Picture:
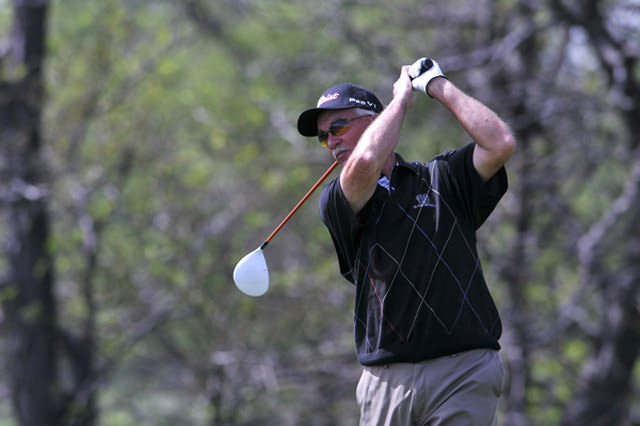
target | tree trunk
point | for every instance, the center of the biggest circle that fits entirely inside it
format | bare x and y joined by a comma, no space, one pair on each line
31,308
29,298
604,391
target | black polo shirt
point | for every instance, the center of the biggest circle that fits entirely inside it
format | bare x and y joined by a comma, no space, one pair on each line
411,253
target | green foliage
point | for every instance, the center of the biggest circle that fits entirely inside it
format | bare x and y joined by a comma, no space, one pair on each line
171,139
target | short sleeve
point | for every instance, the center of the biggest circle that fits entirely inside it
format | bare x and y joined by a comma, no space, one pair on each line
477,197
343,225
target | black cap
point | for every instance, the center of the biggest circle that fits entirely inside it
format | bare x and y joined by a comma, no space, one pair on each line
341,96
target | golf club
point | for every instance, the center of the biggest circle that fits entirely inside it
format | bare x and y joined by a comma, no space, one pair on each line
251,274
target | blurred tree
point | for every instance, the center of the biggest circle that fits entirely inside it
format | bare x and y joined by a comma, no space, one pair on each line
169,144
28,287
609,248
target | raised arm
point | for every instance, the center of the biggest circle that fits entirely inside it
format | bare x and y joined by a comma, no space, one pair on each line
494,141
374,153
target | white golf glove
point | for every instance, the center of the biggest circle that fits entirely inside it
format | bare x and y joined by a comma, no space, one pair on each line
422,72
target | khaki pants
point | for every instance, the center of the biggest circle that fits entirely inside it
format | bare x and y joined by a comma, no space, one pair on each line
456,390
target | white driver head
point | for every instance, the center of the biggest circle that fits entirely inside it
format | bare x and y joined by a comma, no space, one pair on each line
251,274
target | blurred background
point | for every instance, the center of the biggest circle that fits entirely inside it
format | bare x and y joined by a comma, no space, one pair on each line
146,146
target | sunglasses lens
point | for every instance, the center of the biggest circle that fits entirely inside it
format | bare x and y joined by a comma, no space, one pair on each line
323,137
339,129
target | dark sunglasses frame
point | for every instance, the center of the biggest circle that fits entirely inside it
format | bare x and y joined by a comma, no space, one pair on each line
337,128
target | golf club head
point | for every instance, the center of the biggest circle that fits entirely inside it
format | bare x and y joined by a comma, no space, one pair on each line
251,274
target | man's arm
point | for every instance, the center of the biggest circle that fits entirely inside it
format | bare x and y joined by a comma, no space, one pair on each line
494,141
374,152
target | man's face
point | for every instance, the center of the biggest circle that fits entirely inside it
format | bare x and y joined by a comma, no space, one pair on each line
340,130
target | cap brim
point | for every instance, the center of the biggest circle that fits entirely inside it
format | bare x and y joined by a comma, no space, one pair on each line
308,122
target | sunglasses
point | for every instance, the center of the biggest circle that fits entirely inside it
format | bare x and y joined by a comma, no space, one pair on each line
337,128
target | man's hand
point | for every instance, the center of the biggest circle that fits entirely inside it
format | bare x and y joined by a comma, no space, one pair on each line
422,72
403,90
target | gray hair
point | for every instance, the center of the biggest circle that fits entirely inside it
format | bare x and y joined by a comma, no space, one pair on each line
365,112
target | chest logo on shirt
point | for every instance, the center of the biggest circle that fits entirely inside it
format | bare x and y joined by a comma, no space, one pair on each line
423,201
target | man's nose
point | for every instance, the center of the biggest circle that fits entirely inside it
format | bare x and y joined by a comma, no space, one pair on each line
332,141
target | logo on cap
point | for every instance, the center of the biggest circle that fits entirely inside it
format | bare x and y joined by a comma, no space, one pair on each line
327,98
366,104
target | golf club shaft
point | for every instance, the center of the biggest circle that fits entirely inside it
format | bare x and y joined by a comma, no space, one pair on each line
295,209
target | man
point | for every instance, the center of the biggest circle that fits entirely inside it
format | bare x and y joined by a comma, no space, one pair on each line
425,326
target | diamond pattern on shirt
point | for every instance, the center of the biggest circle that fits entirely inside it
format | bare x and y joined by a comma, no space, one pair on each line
420,237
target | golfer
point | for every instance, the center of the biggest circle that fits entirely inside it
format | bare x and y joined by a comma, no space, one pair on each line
425,325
